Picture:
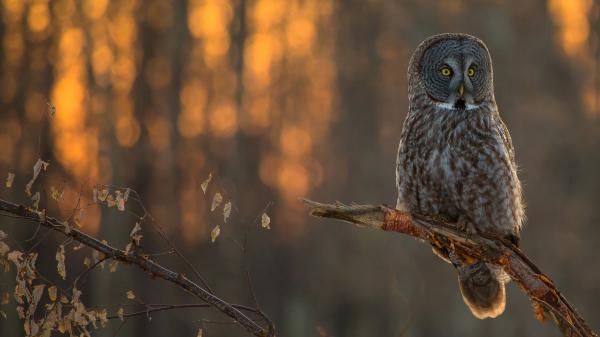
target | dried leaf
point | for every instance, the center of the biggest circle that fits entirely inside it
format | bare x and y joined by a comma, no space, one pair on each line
102,195
215,233
87,262
265,221
120,313
3,235
60,259
57,193
52,293
110,201
217,199
37,292
39,165
199,333
226,211
136,234
78,217
130,295
36,200
126,194
5,298
112,266
10,179
4,248
120,201
205,183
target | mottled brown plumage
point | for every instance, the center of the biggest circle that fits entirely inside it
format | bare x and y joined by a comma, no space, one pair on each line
456,158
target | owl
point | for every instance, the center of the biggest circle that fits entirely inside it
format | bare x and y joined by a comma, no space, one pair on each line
456,159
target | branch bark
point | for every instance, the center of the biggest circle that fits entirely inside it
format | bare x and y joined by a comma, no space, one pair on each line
154,269
546,299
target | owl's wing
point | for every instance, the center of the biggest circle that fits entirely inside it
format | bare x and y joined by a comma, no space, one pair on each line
503,131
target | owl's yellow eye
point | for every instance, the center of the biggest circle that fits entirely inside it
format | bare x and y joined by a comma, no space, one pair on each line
446,71
471,72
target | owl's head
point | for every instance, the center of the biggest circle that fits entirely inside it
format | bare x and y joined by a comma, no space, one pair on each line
455,70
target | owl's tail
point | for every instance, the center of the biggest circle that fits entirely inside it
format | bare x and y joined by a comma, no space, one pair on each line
482,288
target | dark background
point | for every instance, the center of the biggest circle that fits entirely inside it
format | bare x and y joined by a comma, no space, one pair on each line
283,99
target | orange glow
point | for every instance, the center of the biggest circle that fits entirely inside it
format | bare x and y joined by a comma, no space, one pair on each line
295,141
223,119
159,132
190,121
94,9
571,18
38,17
292,179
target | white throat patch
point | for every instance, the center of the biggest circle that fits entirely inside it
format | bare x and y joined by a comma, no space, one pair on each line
448,106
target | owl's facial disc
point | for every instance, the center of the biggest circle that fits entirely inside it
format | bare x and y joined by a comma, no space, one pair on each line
460,87
456,74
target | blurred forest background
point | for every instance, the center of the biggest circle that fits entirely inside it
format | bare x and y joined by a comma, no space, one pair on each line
288,98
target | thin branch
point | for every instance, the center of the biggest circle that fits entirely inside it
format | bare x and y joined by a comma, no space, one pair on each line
145,263
489,248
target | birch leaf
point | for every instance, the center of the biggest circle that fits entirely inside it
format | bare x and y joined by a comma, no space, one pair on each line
60,259
39,165
226,211
130,295
36,200
265,221
206,182
215,233
10,179
135,234
52,293
217,199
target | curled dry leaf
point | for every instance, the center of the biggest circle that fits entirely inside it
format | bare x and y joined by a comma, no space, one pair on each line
130,295
102,195
136,234
112,266
78,217
36,200
52,292
265,221
57,194
120,201
10,179
39,165
199,334
87,262
4,248
226,211
120,313
216,202
215,233
205,183
4,299
60,259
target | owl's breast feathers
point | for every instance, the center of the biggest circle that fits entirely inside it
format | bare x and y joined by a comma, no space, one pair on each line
460,163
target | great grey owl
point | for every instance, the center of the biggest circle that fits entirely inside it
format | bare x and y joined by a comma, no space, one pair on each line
456,157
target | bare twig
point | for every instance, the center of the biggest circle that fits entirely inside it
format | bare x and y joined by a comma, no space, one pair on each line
145,263
538,287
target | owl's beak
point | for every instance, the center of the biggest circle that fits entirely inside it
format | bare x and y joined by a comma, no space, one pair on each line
461,90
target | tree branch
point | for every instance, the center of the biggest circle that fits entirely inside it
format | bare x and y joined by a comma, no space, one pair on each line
546,299
144,263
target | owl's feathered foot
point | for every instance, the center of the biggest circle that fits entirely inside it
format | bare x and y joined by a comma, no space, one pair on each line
466,226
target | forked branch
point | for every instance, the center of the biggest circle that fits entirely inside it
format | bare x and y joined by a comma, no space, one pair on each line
546,299
145,263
